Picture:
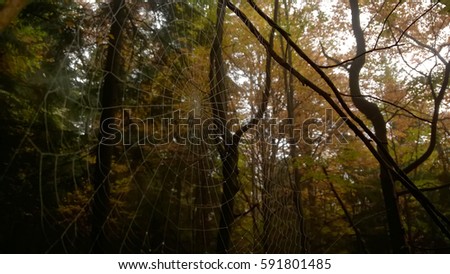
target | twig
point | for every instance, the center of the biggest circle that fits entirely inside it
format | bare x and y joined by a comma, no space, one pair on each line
425,189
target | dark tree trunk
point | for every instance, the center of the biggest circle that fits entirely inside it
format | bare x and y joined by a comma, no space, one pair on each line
108,136
229,148
230,189
373,113
293,151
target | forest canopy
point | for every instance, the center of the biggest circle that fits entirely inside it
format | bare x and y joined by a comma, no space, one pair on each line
224,126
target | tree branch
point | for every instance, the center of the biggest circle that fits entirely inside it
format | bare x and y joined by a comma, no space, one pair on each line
339,64
391,104
425,189
267,87
347,214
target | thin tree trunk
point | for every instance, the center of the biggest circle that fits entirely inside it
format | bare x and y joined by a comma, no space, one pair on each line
107,137
373,113
229,150
230,189
293,151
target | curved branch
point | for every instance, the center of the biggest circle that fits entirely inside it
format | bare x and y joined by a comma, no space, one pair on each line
437,103
338,64
386,20
336,61
425,189
373,113
392,104
423,45
417,19
434,122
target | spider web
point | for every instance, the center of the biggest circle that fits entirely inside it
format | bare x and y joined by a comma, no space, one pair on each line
166,179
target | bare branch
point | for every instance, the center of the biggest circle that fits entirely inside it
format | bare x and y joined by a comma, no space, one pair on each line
425,189
417,19
423,45
386,20
391,104
267,87
433,137
339,64
336,61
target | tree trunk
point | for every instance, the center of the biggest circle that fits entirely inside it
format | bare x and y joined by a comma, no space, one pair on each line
108,135
230,189
229,149
373,113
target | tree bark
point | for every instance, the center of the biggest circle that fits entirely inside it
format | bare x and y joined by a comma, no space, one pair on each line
230,189
108,137
373,113
229,150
